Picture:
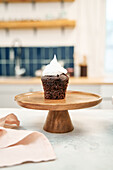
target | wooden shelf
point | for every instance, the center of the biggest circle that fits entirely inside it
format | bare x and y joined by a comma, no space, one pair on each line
72,81
63,23
26,1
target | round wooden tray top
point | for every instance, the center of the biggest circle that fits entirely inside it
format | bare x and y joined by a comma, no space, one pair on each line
73,100
58,119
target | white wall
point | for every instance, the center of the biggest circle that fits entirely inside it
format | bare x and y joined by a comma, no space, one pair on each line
40,11
86,36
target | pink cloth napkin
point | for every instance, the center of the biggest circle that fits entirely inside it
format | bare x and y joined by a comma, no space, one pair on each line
18,146
9,121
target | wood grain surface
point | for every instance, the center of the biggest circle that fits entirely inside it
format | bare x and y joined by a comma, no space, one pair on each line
73,100
58,119
58,122
72,80
65,23
27,1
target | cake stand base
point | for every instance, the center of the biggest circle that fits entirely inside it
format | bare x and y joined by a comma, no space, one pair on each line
58,122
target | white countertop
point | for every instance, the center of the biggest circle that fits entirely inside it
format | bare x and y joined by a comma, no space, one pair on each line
88,147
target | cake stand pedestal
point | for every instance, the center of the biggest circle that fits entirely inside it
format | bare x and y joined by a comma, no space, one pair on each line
58,119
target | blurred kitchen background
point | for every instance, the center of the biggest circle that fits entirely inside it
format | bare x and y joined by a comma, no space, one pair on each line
79,32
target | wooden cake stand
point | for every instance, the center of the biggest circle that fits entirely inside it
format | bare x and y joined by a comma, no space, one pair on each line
58,119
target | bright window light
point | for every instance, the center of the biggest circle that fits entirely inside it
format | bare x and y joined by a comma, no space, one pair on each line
109,37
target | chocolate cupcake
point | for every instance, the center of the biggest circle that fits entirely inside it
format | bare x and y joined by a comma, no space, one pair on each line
54,80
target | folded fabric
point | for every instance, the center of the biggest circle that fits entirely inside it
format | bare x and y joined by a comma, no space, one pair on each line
9,121
19,146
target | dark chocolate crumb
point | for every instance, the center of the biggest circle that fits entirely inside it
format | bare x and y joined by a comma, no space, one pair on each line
55,86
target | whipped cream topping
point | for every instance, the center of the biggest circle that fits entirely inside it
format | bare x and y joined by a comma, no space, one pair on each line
54,68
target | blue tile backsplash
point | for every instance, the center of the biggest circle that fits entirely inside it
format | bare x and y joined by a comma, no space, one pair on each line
33,58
